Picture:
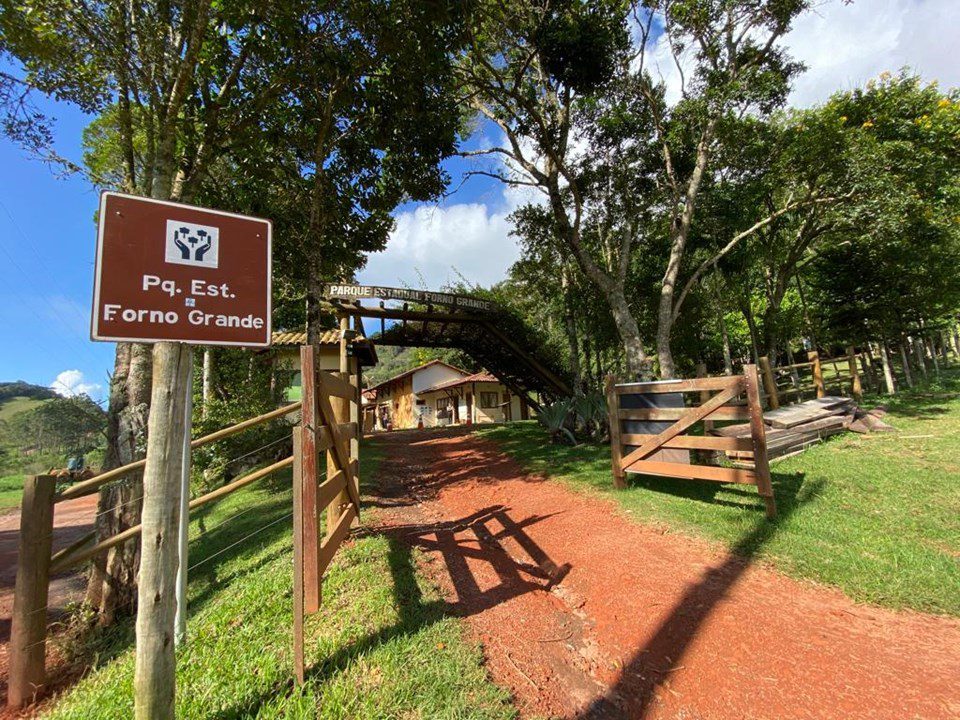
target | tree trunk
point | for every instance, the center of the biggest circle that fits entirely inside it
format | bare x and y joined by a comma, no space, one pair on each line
754,337
887,367
727,357
570,329
904,356
678,243
794,375
314,298
588,377
155,670
932,350
207,379
638,364
918,352
111,587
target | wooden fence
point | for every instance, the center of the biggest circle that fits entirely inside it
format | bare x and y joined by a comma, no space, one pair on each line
783,383
641,444
28,632
329,425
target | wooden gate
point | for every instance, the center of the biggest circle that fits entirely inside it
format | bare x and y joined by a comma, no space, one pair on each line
329,425
657,453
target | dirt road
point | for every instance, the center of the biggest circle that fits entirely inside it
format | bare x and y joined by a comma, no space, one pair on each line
585,614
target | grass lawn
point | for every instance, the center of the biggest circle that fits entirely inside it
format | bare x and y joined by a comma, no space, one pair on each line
381,646
11,488
875,515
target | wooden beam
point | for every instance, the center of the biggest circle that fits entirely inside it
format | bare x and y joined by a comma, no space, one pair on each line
693,472
727,412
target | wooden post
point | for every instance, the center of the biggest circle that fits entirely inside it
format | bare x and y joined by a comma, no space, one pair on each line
616,450
769,383
856,389
154,681
341,411
298,565
307,478
28,633
758,435
905,357
814,357
355,418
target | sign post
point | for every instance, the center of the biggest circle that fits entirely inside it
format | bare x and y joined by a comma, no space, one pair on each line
173,275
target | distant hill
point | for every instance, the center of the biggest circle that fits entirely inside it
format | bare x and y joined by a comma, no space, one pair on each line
19,388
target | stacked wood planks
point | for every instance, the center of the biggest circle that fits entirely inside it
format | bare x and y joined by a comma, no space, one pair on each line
793,428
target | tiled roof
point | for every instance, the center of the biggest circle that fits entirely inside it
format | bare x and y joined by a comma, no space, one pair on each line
456,382
413,370
329,337
362,347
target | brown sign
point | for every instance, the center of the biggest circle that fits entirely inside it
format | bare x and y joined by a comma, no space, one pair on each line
167,271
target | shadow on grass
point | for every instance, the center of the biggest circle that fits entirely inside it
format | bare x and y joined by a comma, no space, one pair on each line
477,537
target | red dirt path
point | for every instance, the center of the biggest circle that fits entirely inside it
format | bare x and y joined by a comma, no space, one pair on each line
585,614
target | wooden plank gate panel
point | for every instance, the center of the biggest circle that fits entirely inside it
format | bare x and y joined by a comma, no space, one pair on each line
716,399
328,398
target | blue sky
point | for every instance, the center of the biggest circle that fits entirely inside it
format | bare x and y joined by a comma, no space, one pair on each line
47,235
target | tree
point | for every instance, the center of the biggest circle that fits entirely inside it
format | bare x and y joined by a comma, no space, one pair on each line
557,77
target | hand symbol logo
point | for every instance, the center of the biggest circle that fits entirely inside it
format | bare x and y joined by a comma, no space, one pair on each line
178,241
202,250
189,244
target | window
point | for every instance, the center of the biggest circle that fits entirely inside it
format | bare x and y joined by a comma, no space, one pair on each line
489,399
421,402
443,403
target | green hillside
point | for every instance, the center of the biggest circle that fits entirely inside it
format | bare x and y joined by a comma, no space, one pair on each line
9,408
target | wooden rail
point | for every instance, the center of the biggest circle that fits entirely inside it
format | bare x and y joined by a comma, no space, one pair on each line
88,487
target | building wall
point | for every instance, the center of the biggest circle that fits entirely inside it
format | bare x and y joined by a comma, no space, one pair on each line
480,414
288,360
433,375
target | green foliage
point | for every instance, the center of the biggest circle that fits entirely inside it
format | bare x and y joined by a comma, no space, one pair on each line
61,425
580,41
244,387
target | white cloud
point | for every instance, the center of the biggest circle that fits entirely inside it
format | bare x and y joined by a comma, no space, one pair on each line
845,45
431,244
71,382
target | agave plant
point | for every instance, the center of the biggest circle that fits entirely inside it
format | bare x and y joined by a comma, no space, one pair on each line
591,413
554,418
